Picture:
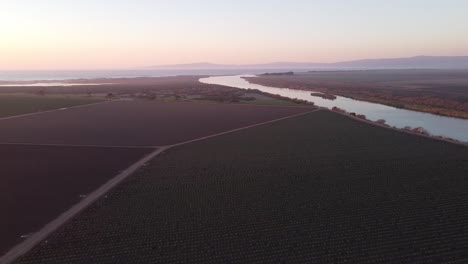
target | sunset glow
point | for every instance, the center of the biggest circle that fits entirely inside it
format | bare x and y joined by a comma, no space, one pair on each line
88,34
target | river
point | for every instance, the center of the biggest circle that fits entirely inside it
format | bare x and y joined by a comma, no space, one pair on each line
436,125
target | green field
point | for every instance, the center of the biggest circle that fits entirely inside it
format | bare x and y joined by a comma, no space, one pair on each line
319,188
15,104
265,100
270,101
254,99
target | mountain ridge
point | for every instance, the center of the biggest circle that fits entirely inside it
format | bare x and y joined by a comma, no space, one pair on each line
416,62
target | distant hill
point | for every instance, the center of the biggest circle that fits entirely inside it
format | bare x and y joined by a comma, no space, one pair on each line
418,62
206,65
201,65
413,62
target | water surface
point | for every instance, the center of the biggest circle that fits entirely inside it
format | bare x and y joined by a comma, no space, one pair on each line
436,125
12,76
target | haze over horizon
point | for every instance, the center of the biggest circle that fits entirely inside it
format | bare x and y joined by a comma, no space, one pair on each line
87,34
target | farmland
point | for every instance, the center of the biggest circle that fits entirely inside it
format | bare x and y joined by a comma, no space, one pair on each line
18,104
137,123
177,88
118,86
318,188
37,183
443,92
50,161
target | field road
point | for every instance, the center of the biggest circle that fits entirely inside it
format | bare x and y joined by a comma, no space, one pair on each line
52,226
51,111
136,123
71,145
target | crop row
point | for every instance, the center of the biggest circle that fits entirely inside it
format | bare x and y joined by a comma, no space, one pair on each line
313,189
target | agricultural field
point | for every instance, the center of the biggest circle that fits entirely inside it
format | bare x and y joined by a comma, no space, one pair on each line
137,123
443,92
118,86
50,161
37,183
250,98
265,99
19,104
177,88
318,188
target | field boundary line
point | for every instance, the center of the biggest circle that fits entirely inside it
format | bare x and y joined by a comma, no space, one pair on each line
459,143
310,106
53,110
242,128
52,226
77,146
36,238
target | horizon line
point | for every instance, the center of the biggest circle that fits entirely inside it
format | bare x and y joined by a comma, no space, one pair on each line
160,66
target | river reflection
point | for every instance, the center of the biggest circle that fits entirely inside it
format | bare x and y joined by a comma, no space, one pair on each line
436,125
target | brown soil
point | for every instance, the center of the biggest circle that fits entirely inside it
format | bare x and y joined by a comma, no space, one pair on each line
38,183
137,123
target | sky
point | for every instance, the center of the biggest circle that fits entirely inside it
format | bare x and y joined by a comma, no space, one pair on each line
106,34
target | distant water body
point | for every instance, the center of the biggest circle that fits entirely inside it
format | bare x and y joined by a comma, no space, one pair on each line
11,76
436,125
455,128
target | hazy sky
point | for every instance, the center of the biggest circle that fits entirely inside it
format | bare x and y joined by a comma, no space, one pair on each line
64,34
